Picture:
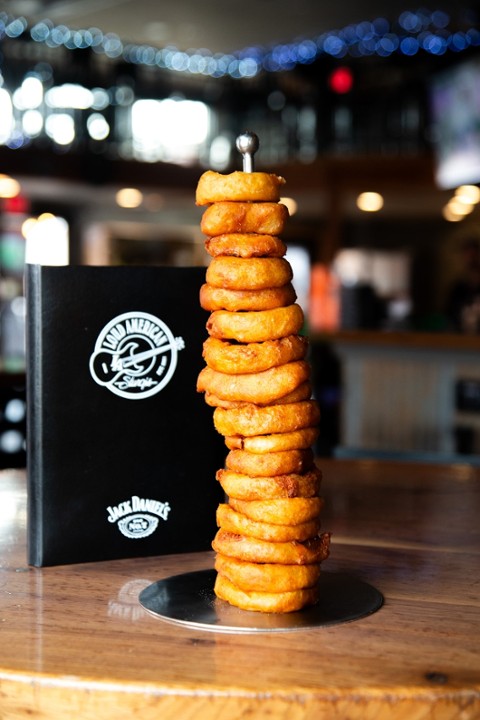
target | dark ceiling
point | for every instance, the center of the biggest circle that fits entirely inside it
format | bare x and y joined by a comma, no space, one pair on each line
217,25
226,26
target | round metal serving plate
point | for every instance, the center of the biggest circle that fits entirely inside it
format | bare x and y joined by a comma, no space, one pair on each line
188,599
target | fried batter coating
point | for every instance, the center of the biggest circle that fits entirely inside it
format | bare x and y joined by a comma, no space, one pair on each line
234,522
214,298
269,463
233,273
302,392
267,577
246,487
268,546
232,358
296,440
245,245
253,420
287,553
280,511
260,388
235,217
250,327
267,602
238,186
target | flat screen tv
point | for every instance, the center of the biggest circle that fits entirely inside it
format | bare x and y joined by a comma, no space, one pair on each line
455,112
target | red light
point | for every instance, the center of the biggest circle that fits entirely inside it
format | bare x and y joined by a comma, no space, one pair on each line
17,204
341,80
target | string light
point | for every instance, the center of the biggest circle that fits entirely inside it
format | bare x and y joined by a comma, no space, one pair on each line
129,198
9,187
413,32
468,194
370,201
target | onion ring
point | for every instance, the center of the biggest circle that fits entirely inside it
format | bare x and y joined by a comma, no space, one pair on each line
302,392
259,388
214,298
233,273
252,549
231,358
245,245
296,440
254,601
245,487
280,511
258,326
233,522
236,217
238,186
267,577
253,420
269,463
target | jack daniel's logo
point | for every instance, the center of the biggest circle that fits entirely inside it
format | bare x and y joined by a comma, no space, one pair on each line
135,355
138,517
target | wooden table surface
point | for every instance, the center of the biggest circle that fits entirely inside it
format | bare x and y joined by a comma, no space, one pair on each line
75,643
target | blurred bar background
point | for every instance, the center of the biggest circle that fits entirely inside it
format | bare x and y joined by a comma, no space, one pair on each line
372,114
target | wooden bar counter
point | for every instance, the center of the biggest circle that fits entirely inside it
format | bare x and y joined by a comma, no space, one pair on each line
75,643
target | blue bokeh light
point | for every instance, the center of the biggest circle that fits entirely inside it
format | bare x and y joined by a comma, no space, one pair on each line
414,31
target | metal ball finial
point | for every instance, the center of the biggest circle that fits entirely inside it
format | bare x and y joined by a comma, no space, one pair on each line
247,144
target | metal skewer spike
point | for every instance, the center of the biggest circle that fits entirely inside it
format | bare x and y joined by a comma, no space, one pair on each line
247,144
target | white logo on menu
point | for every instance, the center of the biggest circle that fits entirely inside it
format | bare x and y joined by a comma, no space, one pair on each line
135,355
138,517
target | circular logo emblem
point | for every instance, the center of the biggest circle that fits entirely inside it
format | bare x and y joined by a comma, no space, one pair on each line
135,355
138,526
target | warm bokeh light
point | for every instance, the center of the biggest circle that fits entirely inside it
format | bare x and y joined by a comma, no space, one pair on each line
9,187
370,201
27,226
291,205
468,194
450,215
459,208
129,198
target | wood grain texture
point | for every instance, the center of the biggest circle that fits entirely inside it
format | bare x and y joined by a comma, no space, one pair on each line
74,642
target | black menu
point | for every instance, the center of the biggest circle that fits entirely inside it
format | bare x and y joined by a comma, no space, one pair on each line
121,449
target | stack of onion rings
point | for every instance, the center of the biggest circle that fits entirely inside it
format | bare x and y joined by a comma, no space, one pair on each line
268,547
